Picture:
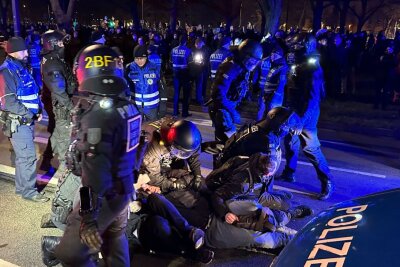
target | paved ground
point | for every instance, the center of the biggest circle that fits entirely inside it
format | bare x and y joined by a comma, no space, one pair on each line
360,164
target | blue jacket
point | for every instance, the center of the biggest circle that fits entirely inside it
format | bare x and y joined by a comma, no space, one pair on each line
180,57
19,92
264,69
144,84
156,59
34,55
217,58
229,87
305,90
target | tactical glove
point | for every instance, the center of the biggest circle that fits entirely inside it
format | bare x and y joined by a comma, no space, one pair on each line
178,185
89,233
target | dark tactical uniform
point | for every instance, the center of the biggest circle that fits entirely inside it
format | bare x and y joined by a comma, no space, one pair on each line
60,83
305,91
104,153
230,86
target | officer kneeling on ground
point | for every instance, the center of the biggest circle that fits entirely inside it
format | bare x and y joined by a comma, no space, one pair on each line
104,155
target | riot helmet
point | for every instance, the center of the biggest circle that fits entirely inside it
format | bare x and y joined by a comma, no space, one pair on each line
100,71
300,45
250,53
281,121
54,41
182,138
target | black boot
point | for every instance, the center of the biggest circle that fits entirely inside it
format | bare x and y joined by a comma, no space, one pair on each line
327,190
286,176
301,211
47,222
49,243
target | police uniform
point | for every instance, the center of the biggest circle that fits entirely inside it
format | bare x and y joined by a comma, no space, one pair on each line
228,89
305,91
262,72
216,59
104,155
20,106
145,89
156,60
180,57
60,83
34,60
274,86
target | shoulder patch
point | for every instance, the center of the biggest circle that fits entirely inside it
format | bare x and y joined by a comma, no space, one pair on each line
133,137
94,136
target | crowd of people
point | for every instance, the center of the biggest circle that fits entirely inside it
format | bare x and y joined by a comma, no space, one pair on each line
130,175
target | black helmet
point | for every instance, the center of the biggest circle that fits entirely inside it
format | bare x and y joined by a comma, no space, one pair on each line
99,70
250,53
301,41
281,121
182,137
51,38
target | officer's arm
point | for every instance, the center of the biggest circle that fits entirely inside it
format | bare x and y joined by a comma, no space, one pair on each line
315,89
194,164
221,194
54,79
9,101
224,77
128,79
163,96
151,164
282,79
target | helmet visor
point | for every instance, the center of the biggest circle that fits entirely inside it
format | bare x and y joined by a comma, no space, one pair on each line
179,153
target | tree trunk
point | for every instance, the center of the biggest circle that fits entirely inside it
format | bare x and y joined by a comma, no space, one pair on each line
263,18
343,15
63,19
4,15
173,16
273,10
135,15
318,8
302,19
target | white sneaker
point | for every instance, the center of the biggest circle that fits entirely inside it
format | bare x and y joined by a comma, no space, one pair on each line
286,230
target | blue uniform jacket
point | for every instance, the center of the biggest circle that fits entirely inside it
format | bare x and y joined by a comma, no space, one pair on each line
34,55
180,57
217,58
156,59
19,92
144,84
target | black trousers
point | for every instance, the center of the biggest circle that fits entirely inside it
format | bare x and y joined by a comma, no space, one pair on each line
112,221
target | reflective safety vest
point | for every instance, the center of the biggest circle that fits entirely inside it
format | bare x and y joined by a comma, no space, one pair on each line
180,57
217,58
146,79
27,90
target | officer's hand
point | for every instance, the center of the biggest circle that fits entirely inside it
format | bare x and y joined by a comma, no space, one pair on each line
90,235
151,189
297,130
39,117
231,218
178,185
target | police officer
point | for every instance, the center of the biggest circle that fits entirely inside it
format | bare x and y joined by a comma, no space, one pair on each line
172,163
180,57
145,80
20,107
154,57
305,91
108,132
220,55
199,69
230,86
60,83
34,48
275,81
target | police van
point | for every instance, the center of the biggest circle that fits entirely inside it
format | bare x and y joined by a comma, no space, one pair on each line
361,232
